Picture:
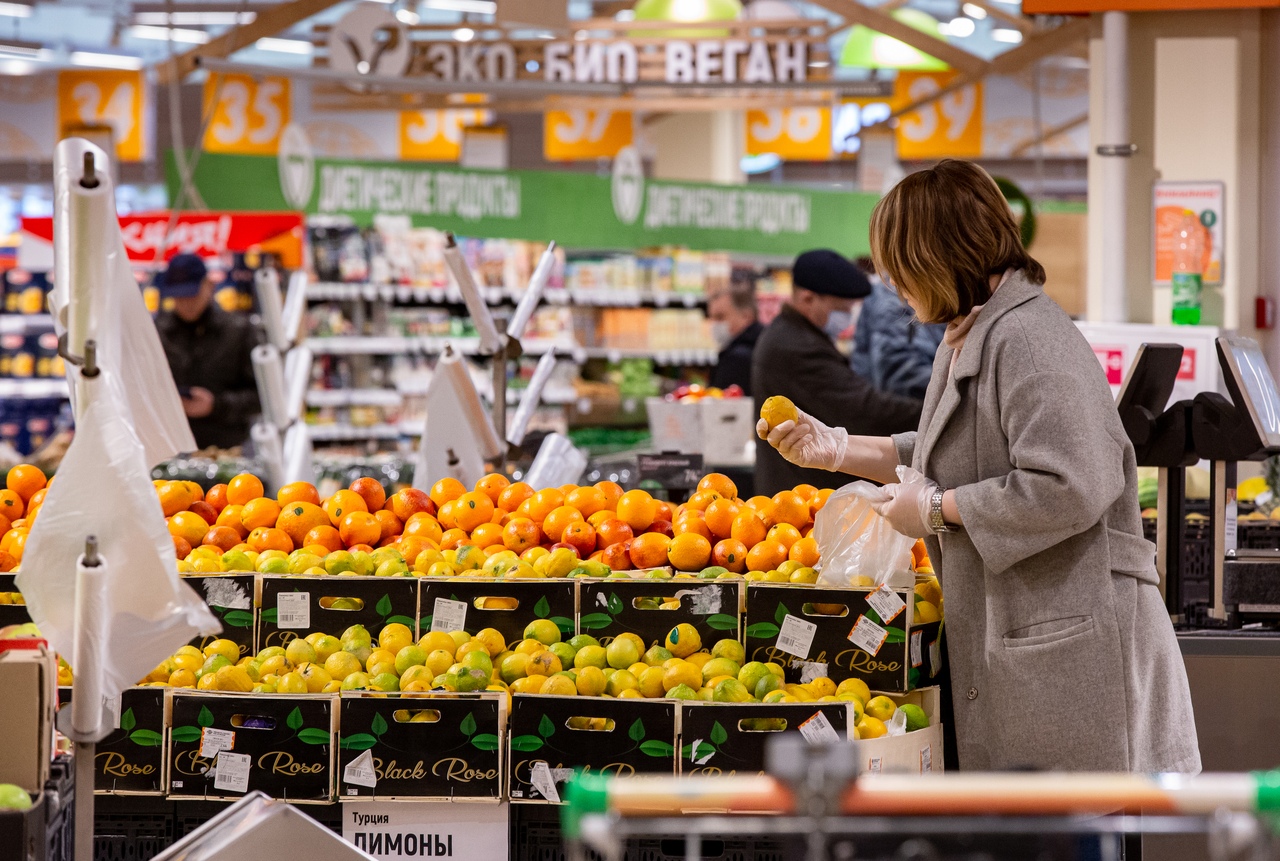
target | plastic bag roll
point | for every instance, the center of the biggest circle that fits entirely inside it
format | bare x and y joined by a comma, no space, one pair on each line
272,390
297,376
490,340
89,245
267,446
558,462
532,296
266,284
531,397
90,642
295,307
453,371
298,454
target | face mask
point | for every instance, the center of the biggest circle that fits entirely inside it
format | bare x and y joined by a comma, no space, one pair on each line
720,333
837,322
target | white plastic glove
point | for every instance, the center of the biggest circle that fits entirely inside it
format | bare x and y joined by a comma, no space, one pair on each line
907,508
807,442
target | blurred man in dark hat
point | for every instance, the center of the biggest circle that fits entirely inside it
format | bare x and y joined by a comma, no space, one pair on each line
209,353
797,357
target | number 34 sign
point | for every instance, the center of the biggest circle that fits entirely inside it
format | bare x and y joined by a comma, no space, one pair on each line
95,99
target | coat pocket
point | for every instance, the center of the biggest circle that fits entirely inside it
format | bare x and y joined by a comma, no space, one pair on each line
1052,631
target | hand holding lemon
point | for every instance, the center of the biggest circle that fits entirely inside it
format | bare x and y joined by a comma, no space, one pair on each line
799,437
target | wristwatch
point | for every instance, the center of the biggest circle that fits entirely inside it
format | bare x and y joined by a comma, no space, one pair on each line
936,521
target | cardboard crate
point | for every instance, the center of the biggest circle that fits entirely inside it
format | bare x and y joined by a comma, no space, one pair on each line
11,613
458,756
28,677
130,761
716,738
381,601
290,741
641,738
231,598
535,599
728,427
674,426
614,606
916,752
908,658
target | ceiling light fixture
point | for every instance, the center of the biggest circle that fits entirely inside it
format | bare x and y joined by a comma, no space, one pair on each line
479,7
105,61
284,46
15,10
961,28
464,34
1012,37
193,19
167,34
14,48
17,67
407,16
974,11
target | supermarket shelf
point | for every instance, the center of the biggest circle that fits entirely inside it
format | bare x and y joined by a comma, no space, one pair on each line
607,298
399,346
340,433
394,397
33,388
659,357
24,322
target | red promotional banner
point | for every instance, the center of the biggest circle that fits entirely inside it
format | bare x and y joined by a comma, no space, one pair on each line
207,234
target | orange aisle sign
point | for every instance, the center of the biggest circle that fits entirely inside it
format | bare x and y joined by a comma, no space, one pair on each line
250,114
437,135
793,134
97,98
950,126
579,135
1075,7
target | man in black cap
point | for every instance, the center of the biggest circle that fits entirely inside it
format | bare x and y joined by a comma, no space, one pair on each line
209,353
796,356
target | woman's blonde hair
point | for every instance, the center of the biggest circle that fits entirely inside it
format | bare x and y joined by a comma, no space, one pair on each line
940,235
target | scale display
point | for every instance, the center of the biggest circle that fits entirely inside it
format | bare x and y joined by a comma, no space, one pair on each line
1252,385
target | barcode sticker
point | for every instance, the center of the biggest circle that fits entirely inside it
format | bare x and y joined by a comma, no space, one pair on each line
935,658
796,636
214,741
917,637
874,765
360,771
926,759
887,603
810,670
543,782
818,730
232,772
449,615
868,636
293,610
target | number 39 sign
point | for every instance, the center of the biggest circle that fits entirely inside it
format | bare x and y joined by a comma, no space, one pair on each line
93,99
950,126
249,115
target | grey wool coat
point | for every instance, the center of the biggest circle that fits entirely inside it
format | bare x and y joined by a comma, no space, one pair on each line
1062,653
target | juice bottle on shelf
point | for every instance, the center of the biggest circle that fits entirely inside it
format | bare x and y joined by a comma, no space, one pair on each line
1188,270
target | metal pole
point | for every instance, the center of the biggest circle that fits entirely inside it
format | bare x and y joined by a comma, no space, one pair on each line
500,384
85,751
1115,151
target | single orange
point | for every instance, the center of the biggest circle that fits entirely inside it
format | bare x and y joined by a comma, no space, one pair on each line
499,517
391,525
342,503
492,486
191,527
649,550
409,501
363,548
666,511
598,556
520,534
25,480
701,500
558,520
748,528
542,503
371,491
222,537
197,492
730,554
472,509
410,547
720,515
581,536
269,538
689,552
492,550
806,491
37,498
217,497
601,516
691,523
206,511
720,484
263,511
446,490
174,497
232,516
446,516
761,504
360,527
612,493
513,495
298,518
613,532
637,509
243,488
785,534
487,535
7,562
5,524
423,525
819,499
766,556
298,491
453,539
791,508
618,557
326,536
181,548
804,551
588,500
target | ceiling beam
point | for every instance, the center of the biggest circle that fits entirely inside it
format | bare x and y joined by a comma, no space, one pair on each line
1023,25
855,13
268,22
1049,134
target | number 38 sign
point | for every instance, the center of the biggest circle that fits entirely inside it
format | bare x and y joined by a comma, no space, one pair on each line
93,99
249,115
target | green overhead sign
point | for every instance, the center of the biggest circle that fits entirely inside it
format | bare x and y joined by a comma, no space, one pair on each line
577,210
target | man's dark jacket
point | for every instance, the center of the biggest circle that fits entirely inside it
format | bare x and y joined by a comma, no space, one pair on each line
733,365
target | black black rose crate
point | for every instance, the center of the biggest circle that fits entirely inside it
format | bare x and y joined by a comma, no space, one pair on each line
594,734
11,613
607,608
435,746
290,742
131,761
333,604
231,598
533,599
730,738
908,658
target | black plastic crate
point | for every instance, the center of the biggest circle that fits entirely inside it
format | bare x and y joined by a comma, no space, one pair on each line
131,827
1258,534
190,815
45,832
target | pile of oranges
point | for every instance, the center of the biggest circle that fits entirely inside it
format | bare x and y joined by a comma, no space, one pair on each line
20,501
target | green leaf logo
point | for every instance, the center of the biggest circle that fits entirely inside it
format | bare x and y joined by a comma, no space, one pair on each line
762,631
271,614
294,720
565,625
403,620
314,736
718,734
205,718
636,733
146,738
653,747
913,677
379,725
238,618
468,725
871,614
426,622
359,741
128,721
896,635
722,622
542,608
595,621
384,606
526,743
546,728
485,741
781,614
615,604
186,734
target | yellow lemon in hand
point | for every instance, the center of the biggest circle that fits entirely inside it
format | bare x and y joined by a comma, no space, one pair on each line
778,409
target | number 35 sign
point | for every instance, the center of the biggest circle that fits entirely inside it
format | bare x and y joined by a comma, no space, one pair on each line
114,99
249,115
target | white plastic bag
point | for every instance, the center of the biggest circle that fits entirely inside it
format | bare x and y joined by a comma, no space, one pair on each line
859,547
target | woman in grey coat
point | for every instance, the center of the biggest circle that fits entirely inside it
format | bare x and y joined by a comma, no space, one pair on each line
1023,483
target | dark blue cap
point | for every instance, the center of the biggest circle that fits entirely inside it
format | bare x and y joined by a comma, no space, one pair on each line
182,278
831,274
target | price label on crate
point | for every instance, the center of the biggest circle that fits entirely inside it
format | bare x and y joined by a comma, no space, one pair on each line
868,636
232,772
935,658
544,782
917,637
796,636
669,469
293,610
887,603
360,771
926,759
818,730
875,765
214,741
449,615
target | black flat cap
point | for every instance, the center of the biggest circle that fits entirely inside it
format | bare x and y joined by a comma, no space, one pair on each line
831,274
